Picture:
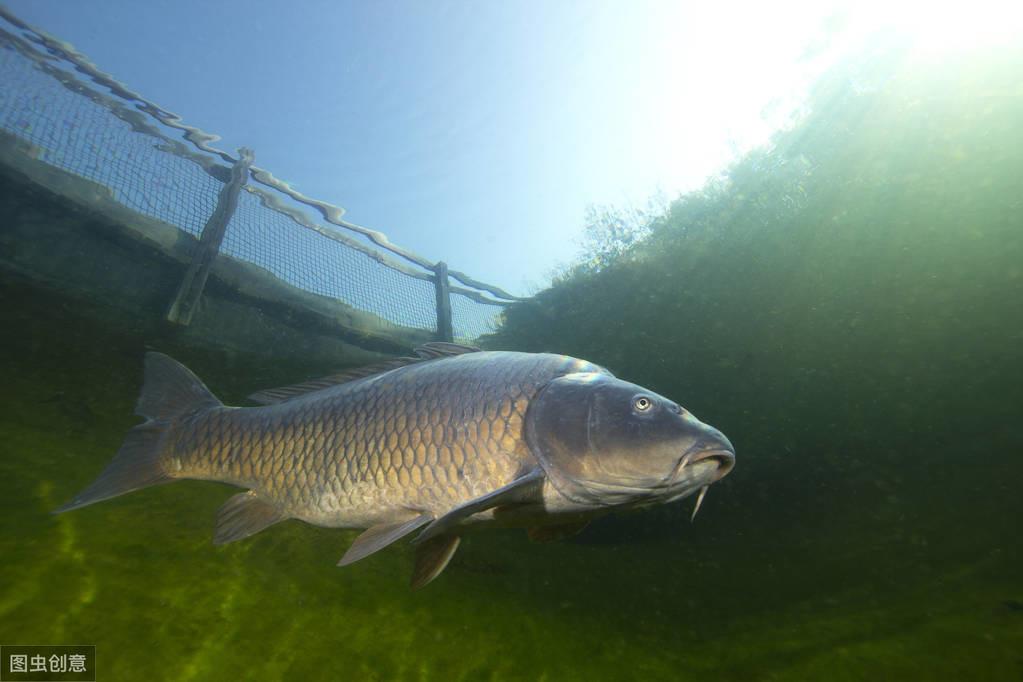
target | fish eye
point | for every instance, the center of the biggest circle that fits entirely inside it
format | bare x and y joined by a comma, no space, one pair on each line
642,403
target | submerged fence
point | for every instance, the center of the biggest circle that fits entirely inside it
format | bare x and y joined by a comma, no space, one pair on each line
82,121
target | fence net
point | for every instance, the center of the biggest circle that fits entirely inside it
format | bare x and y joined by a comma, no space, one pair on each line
320,265
78,127
78,134
471,319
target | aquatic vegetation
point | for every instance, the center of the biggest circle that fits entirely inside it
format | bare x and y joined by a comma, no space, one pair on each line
849,303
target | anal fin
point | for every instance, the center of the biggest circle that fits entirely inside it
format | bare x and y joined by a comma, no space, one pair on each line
376,538
243,515
432,558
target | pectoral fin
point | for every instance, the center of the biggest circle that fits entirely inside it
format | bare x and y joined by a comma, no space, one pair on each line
432,558
244,515
379,536
558,532
527,488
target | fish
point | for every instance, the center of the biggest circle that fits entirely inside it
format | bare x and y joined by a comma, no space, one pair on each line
449,440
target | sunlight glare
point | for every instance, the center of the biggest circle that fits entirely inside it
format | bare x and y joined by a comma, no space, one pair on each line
941,27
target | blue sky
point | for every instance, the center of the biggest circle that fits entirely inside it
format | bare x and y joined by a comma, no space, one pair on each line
473,132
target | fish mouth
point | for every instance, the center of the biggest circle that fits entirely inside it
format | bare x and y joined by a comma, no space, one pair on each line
723,457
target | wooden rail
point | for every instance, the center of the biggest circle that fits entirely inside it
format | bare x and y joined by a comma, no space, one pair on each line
187,299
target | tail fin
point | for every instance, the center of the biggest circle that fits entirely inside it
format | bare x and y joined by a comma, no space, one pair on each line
170,391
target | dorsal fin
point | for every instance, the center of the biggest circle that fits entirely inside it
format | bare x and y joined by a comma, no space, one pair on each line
280,394
440,349
428,351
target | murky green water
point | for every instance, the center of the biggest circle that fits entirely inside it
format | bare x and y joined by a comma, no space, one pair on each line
889,565
849,310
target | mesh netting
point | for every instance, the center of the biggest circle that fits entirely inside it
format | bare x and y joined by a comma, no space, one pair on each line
80,136
313,262
471,319
79,128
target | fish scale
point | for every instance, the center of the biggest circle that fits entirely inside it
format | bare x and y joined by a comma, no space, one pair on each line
427,437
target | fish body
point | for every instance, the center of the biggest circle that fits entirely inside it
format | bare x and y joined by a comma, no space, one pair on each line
451,438
429,436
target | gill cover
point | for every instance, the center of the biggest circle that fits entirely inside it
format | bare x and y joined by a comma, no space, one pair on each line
564,432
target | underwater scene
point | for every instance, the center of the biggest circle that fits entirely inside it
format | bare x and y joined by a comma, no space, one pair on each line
820,350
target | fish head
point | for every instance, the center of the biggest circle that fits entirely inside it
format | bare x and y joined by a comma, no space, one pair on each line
606,442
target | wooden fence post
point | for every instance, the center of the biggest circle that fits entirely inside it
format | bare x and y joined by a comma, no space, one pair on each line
184,305
443,289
